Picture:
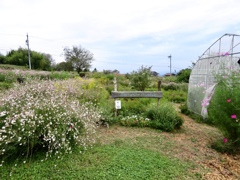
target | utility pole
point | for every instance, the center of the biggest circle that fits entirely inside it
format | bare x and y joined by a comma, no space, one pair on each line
29,60
170,57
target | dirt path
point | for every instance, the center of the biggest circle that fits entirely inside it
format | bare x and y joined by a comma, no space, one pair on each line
222,166
191,143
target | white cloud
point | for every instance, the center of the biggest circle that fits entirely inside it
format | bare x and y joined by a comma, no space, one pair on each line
116,29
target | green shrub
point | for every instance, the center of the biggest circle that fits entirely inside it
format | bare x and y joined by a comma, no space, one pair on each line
2,77
108,112
45,114
8,77
169,79
175,96
223,110
225,146
170,86
183,75
184,110
5,85
164,118
175,86
132,107
92,91
140,79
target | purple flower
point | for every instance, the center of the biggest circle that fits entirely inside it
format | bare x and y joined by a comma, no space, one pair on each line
229,100
226,54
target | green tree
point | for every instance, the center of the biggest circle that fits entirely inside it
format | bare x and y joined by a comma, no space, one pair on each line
64,66
95,70
184,75
2,59
79,57
154,73
38,60
140,79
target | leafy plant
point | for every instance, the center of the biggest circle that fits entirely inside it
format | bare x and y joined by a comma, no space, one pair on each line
164,118
184,75
132,107
184,110
170,86
92,91
175,96
169,79
175,86
140,79
224,146
223,110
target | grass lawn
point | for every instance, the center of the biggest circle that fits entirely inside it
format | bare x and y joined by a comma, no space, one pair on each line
118,160
136,153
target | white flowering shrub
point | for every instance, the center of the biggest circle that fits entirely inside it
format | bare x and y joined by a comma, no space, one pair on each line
45,114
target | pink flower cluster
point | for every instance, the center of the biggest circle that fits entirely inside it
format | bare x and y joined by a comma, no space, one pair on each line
234,116
225,140
205,102
223,54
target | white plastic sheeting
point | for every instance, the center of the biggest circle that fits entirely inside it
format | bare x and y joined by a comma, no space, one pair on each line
219,60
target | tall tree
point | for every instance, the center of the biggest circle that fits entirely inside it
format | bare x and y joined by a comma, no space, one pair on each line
80,58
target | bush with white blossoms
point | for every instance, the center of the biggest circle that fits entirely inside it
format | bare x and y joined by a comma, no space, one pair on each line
45,114
135,120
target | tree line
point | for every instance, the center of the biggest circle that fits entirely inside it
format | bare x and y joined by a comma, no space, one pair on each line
40,61
77,59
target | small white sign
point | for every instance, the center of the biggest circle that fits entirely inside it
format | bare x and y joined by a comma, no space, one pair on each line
117,104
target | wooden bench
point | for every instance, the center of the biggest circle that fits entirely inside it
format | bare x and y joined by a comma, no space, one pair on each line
136,94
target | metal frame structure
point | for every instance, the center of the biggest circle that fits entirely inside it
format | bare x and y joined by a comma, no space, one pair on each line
222,57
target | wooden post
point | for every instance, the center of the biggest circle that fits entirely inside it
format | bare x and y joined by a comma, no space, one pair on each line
159,89
159,85
115,89
115,83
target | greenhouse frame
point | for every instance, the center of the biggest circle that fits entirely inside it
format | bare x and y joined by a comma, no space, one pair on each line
220,59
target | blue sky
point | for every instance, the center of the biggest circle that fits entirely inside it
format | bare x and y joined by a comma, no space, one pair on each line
122,34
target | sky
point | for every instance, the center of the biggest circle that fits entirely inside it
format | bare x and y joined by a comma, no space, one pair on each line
122,34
